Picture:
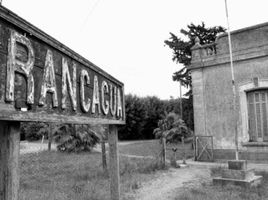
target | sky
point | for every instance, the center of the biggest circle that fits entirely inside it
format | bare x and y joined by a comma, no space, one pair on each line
126,37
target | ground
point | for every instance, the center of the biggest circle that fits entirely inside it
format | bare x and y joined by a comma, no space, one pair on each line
161,185
166,185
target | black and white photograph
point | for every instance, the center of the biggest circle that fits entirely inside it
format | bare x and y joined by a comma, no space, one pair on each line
133,100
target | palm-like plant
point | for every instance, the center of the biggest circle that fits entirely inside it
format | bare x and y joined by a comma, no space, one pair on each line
77,138
172,128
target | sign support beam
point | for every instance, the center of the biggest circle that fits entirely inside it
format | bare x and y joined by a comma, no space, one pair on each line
9,160
114,163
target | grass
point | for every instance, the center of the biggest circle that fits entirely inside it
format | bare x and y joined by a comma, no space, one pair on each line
153,147
141,148
207,191
58,176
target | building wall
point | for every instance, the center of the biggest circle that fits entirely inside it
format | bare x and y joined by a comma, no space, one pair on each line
212,85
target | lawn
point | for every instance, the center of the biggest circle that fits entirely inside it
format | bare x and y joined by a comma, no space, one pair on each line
208,192
153,148
58,176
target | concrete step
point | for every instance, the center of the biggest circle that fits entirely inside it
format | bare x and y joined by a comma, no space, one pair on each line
254,181
238,174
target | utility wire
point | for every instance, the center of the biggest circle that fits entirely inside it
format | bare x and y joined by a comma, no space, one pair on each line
90,12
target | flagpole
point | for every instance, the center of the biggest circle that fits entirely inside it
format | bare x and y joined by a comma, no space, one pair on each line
233,81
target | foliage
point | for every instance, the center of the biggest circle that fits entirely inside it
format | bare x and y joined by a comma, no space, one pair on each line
173,105
154,112
143,114
70,138
135,116
77,138
172,128
33,131
182,48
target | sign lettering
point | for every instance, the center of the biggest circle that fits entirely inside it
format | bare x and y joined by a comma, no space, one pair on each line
55,86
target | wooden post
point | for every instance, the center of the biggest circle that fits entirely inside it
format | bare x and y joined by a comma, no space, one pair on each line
50,135
114,163
164,152
9,160
183,146
194,144
103,152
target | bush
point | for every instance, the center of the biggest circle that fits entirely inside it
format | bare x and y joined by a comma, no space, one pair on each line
33,131
77,138
173,128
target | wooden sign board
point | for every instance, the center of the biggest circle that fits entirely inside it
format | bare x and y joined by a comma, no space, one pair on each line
43,80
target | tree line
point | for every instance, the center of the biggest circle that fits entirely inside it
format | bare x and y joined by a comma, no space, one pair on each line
144,113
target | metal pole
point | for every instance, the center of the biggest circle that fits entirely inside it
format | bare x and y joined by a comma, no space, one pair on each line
233,81
182,139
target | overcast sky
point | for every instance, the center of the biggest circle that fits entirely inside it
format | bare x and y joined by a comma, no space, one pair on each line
126,37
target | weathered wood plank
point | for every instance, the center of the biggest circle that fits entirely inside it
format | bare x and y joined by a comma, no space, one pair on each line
9,154
114,163
44,78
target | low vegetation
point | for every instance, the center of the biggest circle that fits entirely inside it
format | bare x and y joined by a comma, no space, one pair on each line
61,176
173,128
207,191
152,148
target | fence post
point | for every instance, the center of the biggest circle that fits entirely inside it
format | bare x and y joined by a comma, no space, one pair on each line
50,136
9,160
114,163
183,146
103,152
164,151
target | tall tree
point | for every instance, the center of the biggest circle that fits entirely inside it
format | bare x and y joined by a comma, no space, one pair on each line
135,118
182,48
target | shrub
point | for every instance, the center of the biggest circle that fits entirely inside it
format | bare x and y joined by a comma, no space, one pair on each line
172,127
77,138
33,131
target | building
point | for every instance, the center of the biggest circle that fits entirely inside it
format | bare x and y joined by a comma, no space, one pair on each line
213,97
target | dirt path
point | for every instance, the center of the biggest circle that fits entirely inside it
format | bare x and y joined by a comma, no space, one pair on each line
167,184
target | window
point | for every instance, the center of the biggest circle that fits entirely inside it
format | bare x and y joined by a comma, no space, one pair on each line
257,115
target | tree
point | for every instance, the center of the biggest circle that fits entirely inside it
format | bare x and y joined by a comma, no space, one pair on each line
33,131
182,49
155,110
135,118
172,128
77,138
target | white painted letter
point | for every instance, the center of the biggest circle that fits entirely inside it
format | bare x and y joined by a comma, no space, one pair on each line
96,96
49,81
16,65
72,85
84,76
113,99
104,89
119,104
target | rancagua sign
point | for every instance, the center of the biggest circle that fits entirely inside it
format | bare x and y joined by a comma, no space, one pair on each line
43,80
